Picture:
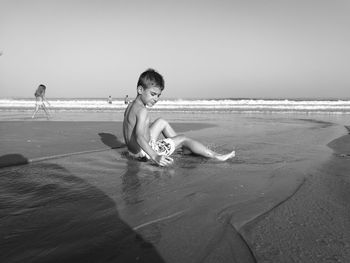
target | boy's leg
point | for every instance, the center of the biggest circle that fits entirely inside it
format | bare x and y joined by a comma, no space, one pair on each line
161,126
192,145
199,149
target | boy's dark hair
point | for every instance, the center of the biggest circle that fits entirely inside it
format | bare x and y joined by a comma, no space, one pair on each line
151,78
40,90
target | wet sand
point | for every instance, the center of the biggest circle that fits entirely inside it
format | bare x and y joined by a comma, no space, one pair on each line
313,224
98,205
38,140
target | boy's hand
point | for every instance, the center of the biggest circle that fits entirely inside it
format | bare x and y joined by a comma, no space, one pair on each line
162,160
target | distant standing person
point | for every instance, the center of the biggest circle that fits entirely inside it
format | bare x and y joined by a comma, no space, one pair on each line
126,100
110,99
40,100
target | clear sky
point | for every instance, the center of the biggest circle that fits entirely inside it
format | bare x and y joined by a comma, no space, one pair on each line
204,49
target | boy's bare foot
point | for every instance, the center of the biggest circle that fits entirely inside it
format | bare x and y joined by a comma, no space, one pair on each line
224,157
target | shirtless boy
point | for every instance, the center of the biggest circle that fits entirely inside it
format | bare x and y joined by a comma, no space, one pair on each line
141,137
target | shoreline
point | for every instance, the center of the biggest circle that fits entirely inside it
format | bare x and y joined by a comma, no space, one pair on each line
311,224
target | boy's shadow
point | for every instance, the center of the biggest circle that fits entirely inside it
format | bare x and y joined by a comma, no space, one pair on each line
12,160
50,215
111,140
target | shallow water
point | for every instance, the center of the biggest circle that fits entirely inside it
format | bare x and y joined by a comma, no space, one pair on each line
104,207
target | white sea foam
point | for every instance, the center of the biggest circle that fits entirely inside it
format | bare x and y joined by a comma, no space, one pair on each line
227,105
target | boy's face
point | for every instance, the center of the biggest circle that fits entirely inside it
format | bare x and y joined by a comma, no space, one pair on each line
150,95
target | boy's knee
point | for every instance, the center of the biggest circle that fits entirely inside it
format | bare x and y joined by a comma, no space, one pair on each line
162,121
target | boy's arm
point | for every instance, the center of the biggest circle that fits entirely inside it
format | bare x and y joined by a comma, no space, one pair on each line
141,128
141,131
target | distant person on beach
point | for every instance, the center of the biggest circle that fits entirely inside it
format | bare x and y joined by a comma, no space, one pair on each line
40,100
126,100
141,137
110,99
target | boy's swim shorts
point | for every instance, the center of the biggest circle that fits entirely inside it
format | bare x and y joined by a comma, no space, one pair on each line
162,147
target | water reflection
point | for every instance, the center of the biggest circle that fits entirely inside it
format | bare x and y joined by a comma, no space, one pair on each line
47,214
131,183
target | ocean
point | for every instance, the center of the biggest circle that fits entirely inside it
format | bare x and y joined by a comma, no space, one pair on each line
189,105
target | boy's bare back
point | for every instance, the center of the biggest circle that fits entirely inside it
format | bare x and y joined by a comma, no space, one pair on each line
135,114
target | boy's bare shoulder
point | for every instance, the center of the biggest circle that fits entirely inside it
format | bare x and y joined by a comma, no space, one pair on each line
136,111
139,111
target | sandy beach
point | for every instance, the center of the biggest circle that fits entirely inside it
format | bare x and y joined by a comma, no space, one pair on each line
312,225
69,192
